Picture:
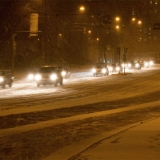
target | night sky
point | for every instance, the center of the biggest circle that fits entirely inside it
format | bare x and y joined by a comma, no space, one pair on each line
68,35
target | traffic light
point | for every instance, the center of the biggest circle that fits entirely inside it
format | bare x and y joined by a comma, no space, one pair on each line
125,50
124,57
118,50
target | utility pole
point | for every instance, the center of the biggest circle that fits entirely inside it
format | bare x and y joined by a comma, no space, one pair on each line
43,35
124,57
13,51
119,54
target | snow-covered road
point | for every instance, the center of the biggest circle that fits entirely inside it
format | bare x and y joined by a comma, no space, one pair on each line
81,87
37,122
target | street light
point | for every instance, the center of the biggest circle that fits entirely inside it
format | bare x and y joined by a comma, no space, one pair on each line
139,22
82,8
133,19
89,31
117,19
117,27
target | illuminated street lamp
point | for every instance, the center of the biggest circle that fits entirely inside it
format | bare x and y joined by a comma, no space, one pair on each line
82,8
89,31
133,19
139,22
117,19
117,27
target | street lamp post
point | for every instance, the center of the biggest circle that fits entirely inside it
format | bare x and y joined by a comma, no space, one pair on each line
13,50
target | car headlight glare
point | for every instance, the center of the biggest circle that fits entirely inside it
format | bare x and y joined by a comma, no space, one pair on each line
123,65
117,68
30,76
63,73
110,68
94,70
146,64
129,65
53,77
104,70
151,63
38,77
137,65
1,79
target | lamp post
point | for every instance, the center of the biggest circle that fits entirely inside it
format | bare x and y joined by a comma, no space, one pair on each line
13,50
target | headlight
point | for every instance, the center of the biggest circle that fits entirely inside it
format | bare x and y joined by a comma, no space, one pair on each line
104,70
38,77
129,65
94,70
151,63
110,68
117,68
63,73
30,76
123,65
1,79
146,64
137,65
53,77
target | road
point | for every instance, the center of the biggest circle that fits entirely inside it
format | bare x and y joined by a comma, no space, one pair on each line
39,122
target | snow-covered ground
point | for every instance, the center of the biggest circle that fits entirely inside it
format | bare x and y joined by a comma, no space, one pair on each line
38,122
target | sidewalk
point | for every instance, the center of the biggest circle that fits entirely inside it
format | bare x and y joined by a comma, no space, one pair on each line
138,143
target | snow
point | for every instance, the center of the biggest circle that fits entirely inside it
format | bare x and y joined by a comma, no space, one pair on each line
82,88
138,142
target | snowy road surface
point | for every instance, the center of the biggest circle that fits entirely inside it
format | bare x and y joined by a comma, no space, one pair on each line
80,88
39,122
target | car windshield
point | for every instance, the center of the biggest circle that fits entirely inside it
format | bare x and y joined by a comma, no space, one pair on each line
47,69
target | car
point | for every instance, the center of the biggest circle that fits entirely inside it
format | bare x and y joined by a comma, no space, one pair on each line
119,67
6,78
48,75
65,71
100,69
137,65
147,64
112,68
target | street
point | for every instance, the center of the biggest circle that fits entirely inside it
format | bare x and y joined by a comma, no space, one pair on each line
39,122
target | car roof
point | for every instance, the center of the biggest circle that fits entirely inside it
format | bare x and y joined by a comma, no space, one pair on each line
48,69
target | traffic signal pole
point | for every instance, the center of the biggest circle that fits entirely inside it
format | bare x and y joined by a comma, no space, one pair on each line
13,51
124,57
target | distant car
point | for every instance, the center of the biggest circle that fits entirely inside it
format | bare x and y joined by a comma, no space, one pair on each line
119,67
136,65
112,68
100,69
6,78
65,71
147,64
48,75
